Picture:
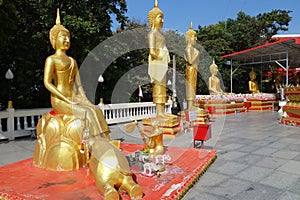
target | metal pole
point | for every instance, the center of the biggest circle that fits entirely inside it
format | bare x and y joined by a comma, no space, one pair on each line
231,76
174,80
261,78
9,90
287,69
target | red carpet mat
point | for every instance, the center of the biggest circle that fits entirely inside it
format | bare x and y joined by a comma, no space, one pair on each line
21,180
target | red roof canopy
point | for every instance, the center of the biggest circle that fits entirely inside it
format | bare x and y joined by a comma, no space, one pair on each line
287,49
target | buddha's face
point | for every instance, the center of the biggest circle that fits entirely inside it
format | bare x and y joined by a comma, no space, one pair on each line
63,40
252,76
215,71
159,21
193,39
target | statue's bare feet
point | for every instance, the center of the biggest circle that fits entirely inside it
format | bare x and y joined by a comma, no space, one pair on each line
161,117
165,116
171,116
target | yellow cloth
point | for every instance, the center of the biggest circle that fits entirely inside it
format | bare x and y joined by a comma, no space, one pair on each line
191,81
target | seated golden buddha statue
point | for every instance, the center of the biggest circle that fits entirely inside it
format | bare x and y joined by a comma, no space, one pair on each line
158,62
75,132
213,81
192,60
253,86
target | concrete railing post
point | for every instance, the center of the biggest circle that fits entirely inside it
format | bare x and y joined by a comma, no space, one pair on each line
11,123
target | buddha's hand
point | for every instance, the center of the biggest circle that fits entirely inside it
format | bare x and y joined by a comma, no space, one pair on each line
70,101
74,103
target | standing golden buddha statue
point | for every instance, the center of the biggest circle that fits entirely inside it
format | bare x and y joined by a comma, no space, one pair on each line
158,62
192,56
75,133
213,81
253,86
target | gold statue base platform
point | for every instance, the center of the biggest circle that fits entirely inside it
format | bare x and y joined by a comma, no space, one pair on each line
202,116
168,127
43,184
224,107
292,108
260,105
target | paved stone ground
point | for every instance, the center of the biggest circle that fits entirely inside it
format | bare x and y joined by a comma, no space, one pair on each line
258,158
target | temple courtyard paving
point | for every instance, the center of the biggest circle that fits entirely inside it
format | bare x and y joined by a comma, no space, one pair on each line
258,158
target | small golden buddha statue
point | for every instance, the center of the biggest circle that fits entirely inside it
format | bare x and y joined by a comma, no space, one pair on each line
75,132
213,81
253,86
155,145
158,61
278,81
297,79
192,60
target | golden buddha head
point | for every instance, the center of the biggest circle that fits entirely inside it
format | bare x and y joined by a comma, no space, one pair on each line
156,17
213,68
252,74
56,29
191,36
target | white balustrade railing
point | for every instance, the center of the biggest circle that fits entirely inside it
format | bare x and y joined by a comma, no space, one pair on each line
17,123
125,112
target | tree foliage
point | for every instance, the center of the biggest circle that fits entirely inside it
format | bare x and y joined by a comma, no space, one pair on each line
24,31
24,44
238,34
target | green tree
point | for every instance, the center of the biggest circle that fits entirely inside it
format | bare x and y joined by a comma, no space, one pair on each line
238,34
24,32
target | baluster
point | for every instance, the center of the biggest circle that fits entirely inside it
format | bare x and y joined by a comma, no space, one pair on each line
18,123
110,116
115,112
1,130
106,114
118,113
32,121
130,112
25,122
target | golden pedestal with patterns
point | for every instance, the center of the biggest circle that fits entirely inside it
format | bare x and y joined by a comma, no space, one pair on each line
292,108
169,127
202,116
260,105
223,107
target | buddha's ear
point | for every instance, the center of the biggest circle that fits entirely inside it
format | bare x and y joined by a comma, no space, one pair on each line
53,41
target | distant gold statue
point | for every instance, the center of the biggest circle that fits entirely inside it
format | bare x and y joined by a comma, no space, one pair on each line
192,60
158,61
297,79
253,86
278,81
213,81
75,134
